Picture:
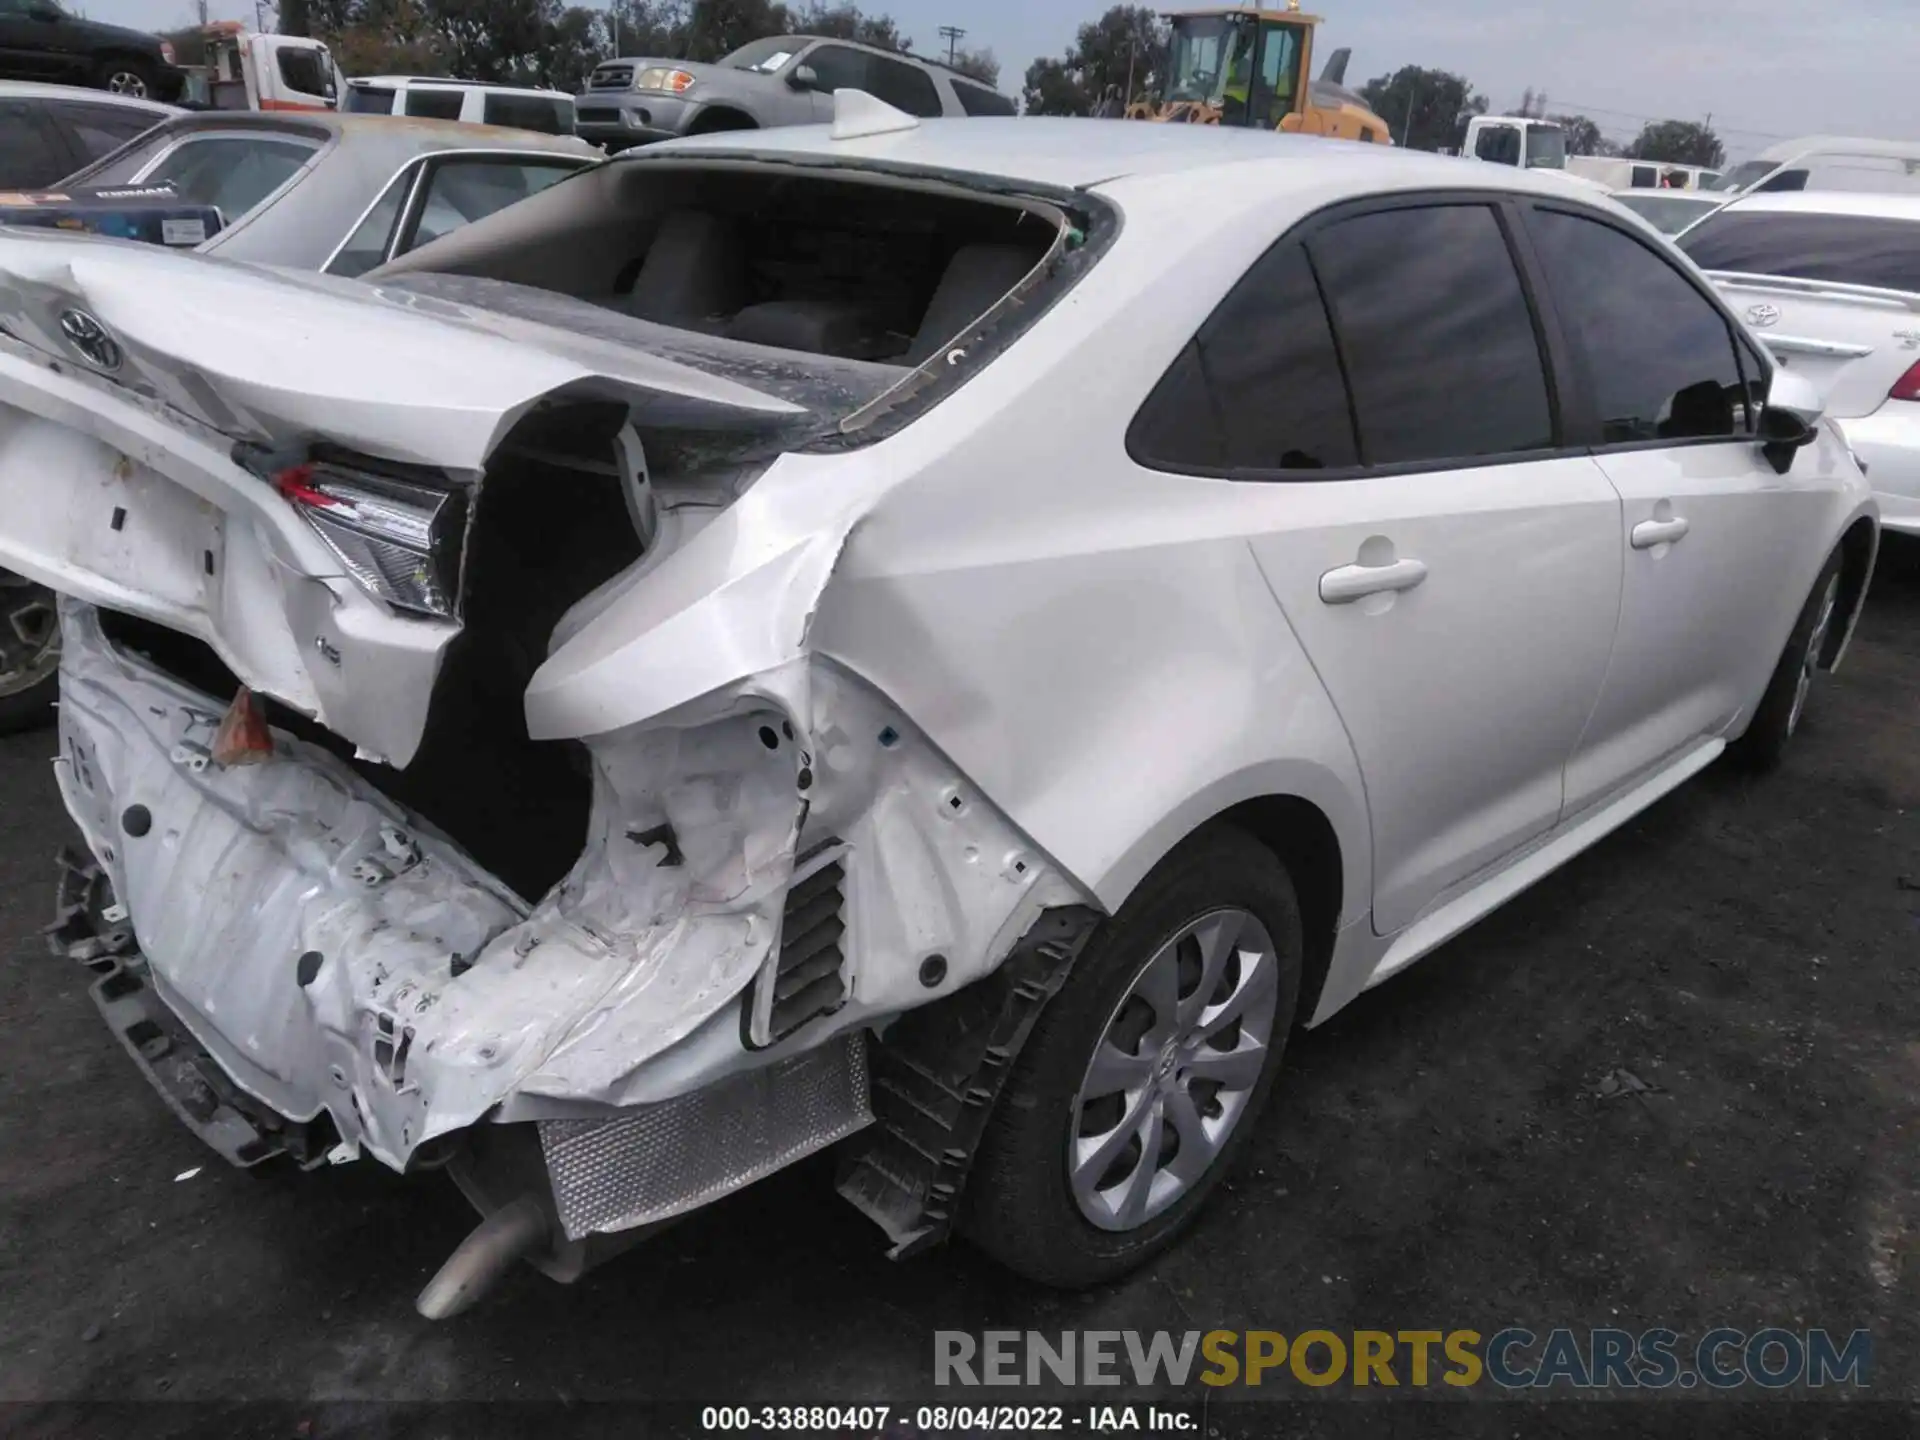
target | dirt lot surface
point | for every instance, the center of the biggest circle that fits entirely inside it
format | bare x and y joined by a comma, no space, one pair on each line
1441,1155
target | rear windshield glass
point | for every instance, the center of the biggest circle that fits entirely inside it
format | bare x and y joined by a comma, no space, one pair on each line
1851,249
548,114
232,170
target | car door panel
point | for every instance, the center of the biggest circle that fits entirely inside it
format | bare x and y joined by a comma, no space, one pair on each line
1465,693
1707,528
1452,573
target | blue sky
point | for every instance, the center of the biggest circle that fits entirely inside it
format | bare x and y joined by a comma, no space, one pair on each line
1762,72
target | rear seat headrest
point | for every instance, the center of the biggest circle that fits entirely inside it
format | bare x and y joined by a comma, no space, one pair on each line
974,281
694,271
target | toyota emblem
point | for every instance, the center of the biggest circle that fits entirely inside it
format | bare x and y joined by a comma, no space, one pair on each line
90,338
1763,316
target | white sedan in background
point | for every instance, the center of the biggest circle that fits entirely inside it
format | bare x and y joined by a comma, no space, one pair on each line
947,637
1830,280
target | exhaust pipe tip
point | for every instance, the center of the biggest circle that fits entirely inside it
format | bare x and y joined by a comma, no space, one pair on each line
476,1266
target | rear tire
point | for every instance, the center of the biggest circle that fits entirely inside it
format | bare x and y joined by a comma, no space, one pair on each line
125,75
29,655
1043,1198
1782,708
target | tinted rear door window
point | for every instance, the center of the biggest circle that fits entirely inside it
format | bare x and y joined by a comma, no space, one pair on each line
1258,388
1852,249
837,68
1657,356
1436,334
369,100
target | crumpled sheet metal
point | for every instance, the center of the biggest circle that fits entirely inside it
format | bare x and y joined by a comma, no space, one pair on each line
656,1161
435,997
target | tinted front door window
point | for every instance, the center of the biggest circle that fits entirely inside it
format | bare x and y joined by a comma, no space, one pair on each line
837,68
1657,356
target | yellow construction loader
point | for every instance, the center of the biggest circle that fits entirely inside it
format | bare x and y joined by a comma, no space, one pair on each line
1249,66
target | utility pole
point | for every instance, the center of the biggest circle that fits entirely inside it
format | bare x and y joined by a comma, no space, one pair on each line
953,35
613,15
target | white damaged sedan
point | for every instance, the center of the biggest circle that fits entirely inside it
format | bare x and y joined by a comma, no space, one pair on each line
947,638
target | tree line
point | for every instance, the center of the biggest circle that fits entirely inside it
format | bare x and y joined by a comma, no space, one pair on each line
553,45
1118,57
1112,60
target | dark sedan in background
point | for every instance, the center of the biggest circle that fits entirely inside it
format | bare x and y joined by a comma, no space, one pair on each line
41,41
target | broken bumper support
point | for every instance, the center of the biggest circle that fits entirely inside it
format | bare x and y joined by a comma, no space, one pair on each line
91,930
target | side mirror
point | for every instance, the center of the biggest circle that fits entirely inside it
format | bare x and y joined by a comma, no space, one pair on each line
803,77
1790,420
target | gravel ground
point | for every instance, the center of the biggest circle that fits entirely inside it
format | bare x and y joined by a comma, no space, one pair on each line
1440,1155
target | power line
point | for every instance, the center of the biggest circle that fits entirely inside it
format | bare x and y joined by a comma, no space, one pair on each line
953,35
1571,106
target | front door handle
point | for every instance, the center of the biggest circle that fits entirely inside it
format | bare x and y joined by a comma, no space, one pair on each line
1649,533
1354,582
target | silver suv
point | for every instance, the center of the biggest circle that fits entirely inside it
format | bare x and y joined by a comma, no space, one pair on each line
782,80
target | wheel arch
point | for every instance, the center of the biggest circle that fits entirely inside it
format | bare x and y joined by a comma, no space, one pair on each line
1312,825
1859,548
1303,840
722,117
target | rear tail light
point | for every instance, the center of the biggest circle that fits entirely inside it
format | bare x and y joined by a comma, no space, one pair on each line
1907,387
166,52
401,540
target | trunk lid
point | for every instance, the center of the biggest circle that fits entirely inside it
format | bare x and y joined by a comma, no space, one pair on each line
147,397
1854,342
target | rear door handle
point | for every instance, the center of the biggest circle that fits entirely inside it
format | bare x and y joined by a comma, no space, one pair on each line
1354,582
1649,533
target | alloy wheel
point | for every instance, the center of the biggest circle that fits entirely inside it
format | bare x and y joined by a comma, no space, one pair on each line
1173,1070
125,82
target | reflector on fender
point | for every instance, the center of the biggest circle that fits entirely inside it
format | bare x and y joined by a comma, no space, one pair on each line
400,539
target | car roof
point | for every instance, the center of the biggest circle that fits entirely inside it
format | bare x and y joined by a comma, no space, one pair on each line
1686,197
403,132
39,90
1843,144
1830,202
443,82
1073,153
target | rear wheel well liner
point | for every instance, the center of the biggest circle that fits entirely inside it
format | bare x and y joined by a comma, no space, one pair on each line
1303,840
1856,565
